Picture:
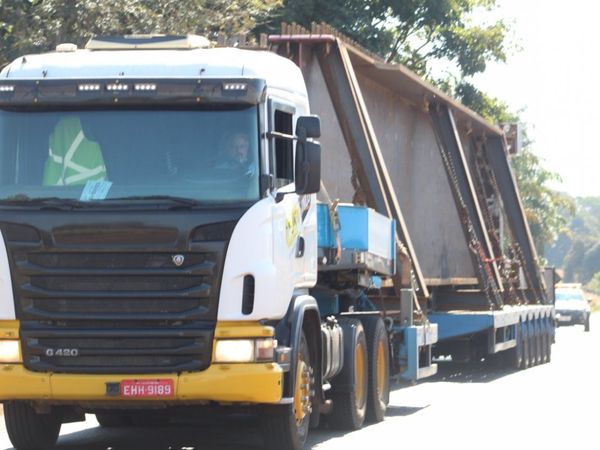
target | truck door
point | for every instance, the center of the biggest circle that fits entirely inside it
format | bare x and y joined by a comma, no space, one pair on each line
294,227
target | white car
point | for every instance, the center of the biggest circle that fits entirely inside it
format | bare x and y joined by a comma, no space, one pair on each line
571,306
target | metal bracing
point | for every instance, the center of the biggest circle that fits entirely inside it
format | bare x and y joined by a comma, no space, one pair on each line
497,157
459,177
364,148
502,241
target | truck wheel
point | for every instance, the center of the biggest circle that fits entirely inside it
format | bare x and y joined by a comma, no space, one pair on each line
379,368
350,405
113,420
535,355
29,430
526,345
286,426
586,325
513,358
547,340
549,348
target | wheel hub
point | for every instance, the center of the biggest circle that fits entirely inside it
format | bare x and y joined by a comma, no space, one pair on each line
302,394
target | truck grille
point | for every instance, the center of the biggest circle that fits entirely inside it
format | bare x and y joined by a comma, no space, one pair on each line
116,312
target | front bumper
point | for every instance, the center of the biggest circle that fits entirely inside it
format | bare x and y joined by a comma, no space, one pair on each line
246,383
570,317
228,383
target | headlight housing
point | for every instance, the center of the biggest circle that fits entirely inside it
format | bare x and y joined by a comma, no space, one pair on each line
10,352
244,350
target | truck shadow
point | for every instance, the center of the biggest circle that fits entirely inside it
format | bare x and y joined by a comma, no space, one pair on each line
471,372
216,435
220,433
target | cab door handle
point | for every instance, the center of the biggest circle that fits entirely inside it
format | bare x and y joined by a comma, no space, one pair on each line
300,248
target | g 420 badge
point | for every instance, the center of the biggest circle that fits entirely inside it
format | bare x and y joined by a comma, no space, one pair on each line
62,352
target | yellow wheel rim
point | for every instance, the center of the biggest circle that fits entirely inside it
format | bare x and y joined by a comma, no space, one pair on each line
381,369
302,392
360,366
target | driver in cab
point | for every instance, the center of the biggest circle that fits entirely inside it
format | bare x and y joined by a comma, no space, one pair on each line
237,155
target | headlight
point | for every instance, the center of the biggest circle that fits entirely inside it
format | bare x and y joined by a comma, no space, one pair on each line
245,350
10,352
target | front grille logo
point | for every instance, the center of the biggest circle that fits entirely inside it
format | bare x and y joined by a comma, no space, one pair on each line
178,260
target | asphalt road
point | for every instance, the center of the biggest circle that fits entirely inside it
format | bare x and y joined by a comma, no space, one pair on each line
554,405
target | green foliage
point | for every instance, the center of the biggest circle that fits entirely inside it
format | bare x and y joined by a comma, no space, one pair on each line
545,209
577,249
14,20
489,108
39,25
413,32
594,284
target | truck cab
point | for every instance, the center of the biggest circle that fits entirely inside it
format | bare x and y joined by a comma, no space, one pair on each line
158,219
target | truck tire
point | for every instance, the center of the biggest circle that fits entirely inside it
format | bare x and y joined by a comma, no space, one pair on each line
525,363
286,426
549,348
513,358
586,325
534,353
350,404
113,420
29,430
539,342
379,368
547,340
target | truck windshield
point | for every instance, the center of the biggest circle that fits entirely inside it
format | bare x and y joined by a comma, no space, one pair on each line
570,295
130,155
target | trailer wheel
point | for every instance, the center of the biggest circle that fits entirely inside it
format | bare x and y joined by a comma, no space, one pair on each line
550,341
526,341
29,430
513,358
539,357
350,403
286,426
546,342
113,420
379,368
537,354
548,346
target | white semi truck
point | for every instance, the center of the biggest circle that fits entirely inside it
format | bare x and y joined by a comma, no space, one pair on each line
163,249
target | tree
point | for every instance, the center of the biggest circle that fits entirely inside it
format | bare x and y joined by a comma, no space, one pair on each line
14,20
412,32
544,207
594,284
39,25
488,107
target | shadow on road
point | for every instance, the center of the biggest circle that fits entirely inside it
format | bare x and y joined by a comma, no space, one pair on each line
472,372
401,411
220,433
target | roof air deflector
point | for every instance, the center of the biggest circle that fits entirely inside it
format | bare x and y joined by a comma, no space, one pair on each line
147,42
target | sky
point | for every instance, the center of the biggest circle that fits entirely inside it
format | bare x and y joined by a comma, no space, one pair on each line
553,79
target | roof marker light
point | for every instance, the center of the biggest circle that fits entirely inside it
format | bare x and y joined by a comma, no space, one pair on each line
89,87
117,87
144,87
7,88
235,86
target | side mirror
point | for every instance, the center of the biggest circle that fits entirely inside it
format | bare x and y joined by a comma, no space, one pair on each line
308,127
308,167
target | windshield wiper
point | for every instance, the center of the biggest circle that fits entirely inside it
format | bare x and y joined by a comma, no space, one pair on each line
180,201
54,202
